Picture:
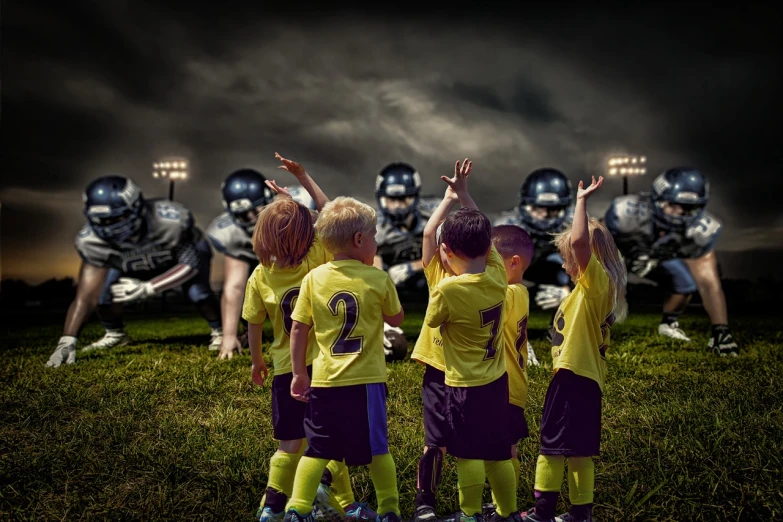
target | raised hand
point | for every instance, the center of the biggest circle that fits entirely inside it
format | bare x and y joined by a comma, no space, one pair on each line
458,183
291,166
584,193
277,189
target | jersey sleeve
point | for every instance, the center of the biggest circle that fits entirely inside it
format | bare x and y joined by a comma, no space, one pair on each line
92,249
437,309
435,271
303,310
391,300
228,239
253,310
704,234
594,279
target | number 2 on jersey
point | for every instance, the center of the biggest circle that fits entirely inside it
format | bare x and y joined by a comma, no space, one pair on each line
345,344
491,317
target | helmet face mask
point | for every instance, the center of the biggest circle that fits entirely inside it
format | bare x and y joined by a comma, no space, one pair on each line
244,195
397,192
114,208
679,197
544,199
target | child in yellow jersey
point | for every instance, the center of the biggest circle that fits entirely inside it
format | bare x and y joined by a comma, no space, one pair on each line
516,248
288,248
571,421
429,351
344,303
468,309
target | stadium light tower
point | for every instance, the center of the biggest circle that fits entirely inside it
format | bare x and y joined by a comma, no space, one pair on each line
626,165
173,169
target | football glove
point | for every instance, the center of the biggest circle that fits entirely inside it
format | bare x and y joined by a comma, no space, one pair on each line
64,353
643,265
550,296
386,329
129,289
532,360
722,343
400,273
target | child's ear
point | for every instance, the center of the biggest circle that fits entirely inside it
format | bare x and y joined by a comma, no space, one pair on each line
516,262
357,240
446,250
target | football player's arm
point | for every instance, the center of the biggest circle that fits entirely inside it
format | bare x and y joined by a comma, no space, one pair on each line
377,262
183,271
231,304
705,272
90,286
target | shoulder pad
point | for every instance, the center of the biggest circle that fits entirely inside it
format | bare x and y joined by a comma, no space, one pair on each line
427,205
704,231
91,248
631,213
507,217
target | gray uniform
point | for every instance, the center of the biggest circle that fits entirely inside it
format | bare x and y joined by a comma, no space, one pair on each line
230,239
397,246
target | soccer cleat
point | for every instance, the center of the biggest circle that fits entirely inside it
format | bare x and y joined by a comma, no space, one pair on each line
391,516
265,514
497,517
673,330
293,515
424,513
488,509
568,517
326,508
530,516
460,516
112,339
216,340
360,512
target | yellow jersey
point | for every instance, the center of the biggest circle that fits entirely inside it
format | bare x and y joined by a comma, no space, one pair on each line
515,341
468,309
429,345
582,325
273,292
344,302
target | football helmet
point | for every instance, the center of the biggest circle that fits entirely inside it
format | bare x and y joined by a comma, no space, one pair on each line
300,195
114,208
544,199
397,192
679,196
244,192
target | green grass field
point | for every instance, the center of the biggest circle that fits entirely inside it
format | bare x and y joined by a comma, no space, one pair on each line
160,430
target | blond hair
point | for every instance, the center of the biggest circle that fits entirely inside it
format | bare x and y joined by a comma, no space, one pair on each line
341,219
283,234
603,247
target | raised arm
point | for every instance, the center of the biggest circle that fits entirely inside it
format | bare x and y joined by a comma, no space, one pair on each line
580,235
429,241
305,180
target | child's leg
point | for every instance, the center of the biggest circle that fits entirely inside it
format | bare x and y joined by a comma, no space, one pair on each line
436,429
384,478
341,482
470,481
429,475
502,480
517,466
581,483
282,470
308,477
549,476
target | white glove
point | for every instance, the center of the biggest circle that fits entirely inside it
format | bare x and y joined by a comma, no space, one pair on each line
64,353
532,360
401,272
643,265
129,289
386,329
550,296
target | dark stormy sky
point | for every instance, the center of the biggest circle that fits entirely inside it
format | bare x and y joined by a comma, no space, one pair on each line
106,87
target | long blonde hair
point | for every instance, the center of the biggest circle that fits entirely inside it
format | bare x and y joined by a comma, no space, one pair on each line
603,247
283,234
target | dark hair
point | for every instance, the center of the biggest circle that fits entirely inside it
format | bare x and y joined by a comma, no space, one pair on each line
468,233
511,240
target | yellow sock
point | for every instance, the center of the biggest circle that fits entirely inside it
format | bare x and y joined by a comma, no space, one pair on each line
383,472
500,474
581,480
308,477
549,472
341,483
470,482
282,470
517,469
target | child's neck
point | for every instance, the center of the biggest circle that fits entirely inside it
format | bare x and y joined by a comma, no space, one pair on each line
346,256
515,280
469,266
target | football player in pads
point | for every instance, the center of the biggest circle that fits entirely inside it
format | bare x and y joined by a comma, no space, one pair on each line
429,352
468,308
667,236
545,208
403,215
344,303
131,249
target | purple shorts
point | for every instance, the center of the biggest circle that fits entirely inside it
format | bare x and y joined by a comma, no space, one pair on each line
478,419
517,425
571,420
288,414
347,423
433,395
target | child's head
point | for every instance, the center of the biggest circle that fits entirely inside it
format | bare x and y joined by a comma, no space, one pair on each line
466,235
515,246
347,226
603,247
283,233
